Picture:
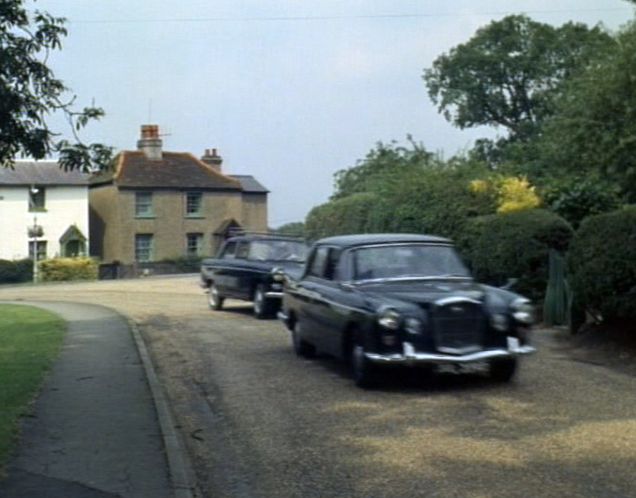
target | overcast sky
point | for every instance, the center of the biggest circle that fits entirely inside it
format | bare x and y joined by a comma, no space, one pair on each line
289,91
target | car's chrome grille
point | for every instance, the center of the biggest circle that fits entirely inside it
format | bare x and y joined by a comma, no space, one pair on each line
458,326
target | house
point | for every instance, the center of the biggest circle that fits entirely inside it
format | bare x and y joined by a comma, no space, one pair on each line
155,205
44,206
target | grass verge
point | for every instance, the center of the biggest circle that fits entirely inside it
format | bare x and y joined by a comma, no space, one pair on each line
30,338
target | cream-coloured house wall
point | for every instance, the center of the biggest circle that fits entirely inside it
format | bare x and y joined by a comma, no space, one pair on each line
64,206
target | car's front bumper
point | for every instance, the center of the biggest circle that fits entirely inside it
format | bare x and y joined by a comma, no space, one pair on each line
409,356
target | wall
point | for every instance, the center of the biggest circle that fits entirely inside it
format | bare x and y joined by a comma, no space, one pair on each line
254,216
65,206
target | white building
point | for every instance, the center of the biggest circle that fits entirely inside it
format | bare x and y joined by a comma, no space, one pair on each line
40,194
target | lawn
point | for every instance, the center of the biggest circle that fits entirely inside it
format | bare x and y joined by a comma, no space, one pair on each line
30,339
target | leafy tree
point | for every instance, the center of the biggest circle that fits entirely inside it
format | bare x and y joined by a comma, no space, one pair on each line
380,165
294,229
509,72
30,92
593,130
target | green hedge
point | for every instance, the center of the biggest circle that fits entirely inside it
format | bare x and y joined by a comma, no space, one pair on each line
12,272
63,269
515,245
351,214
602,263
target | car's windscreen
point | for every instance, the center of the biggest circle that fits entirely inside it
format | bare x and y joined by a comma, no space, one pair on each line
407,261
277,250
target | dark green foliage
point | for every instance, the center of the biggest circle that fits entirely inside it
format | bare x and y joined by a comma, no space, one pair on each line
185,264
577,197
515,245
602,264
593,129
294,229
12,272
342,216
557,300
30,92
509,72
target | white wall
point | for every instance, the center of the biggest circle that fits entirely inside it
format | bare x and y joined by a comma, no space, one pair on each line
65,206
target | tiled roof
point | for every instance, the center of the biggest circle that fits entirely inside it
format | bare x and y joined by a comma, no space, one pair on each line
41,173
250,184
175,170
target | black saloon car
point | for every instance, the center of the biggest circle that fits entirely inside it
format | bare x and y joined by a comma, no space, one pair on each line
252,268
399,299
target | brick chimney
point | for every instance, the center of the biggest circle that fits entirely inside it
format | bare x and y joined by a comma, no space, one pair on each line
211,158
150,143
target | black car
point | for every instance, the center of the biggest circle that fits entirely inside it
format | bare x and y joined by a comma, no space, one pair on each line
400,299
252,268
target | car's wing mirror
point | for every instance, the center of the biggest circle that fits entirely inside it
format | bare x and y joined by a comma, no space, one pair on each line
510,283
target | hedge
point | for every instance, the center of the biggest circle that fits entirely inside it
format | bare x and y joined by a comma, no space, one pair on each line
602,264
63,269
17,271
351,214
515,245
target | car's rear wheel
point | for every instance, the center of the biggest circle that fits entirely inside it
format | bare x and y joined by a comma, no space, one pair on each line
301,347
364,374
215,300
263,307
503,370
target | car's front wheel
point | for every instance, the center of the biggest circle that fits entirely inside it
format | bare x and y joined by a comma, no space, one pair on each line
301,347
262,306
215,300
362,369
503,370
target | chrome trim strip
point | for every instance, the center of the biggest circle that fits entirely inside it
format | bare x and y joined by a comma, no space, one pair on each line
410,356
455,300
408,279
272,294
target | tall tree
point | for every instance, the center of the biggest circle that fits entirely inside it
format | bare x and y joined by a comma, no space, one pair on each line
509,72
30,92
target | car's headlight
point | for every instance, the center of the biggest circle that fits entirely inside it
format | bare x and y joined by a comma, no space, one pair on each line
278,275
499,322
413,325
389,319
523,311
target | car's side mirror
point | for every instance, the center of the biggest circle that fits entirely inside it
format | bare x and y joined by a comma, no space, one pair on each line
510,284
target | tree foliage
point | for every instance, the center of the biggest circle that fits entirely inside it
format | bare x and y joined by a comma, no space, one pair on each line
30,92
509,72
593,130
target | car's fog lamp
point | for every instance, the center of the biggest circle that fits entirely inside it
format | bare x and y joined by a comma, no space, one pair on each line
499,322
389,319
413,325
523,311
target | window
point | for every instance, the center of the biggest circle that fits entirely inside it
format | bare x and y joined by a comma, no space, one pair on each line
242,251
319,262
143,205
144,247
37,198
228,252
194,244
193,204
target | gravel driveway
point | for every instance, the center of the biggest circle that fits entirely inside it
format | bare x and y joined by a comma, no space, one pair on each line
259,422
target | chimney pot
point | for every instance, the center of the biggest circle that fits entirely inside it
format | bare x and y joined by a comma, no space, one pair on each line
150,143
212,159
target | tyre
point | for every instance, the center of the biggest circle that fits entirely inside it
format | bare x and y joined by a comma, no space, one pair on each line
262,305
215,300
364,374
301,348
503,370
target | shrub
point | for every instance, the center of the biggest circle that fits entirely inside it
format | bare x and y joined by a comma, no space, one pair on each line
350,214
184,264
12,272
515,245
63,269
602,262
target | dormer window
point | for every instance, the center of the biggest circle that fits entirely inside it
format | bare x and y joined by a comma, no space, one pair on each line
37,199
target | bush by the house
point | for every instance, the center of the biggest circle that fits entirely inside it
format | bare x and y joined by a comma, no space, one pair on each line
515,245
63,269
12,272
602,262
184,264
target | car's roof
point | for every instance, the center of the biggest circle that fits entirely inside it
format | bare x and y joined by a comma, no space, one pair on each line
381,238
250,237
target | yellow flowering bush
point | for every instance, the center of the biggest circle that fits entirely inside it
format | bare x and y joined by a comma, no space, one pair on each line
511,193
62,269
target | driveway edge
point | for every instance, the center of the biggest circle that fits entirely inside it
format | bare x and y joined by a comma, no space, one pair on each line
179,465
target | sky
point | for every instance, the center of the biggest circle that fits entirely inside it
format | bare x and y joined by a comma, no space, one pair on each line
289,91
